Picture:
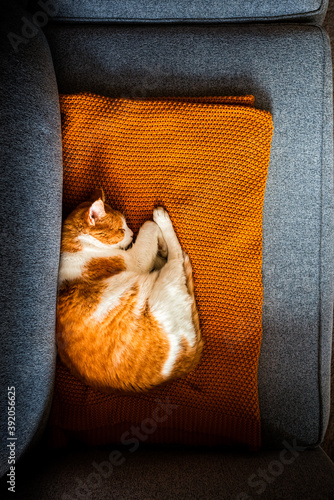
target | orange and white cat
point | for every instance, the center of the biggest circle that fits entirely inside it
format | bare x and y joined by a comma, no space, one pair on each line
126,317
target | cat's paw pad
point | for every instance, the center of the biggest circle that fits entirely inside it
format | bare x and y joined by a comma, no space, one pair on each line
161,217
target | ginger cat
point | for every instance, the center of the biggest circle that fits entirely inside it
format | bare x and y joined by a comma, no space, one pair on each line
126,317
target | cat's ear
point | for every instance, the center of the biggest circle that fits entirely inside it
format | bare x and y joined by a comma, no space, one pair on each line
96,212
98,195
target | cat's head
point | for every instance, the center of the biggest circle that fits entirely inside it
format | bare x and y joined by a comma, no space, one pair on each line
95,224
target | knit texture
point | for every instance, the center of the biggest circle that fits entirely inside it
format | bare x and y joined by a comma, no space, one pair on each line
205,160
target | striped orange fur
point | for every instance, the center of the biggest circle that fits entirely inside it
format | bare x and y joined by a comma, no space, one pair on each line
126,317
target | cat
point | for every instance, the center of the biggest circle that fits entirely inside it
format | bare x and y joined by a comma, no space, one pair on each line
126,313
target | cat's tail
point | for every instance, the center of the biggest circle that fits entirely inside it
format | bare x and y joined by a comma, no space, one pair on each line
190,284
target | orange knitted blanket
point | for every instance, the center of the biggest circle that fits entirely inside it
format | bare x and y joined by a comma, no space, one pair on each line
205,160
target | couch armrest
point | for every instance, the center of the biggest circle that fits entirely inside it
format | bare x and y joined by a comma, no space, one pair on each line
31,191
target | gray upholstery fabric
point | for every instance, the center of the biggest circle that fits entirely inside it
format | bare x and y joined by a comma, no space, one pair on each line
185,10
31,190
287,68
176,473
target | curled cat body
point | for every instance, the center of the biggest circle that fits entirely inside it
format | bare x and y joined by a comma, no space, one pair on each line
126,315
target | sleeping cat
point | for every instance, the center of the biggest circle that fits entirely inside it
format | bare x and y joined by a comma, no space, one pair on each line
126,315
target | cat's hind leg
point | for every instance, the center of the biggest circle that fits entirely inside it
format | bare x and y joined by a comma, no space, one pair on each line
171,301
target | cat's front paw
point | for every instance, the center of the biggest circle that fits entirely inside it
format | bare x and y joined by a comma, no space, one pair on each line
161,217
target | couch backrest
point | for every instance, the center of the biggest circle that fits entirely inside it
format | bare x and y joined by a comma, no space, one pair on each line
182,10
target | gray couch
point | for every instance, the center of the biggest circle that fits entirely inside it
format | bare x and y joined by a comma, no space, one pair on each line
274,50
